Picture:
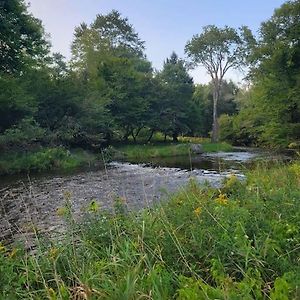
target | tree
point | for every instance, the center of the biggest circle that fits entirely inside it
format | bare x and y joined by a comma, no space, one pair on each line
177,88
218,50
108,34
275,74
108,56
16,102
128,85
203,99
22,38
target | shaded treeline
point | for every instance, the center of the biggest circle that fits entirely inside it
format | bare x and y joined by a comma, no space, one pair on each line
109,90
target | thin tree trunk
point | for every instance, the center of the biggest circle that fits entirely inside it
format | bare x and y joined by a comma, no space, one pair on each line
138,131
215,125
133,136
150,137
175,137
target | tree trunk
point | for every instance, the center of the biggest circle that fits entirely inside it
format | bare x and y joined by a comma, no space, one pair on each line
150,137
126,135
134,137
175,139
138,131
215,125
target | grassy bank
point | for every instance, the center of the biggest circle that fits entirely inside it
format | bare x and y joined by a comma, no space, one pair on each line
241,241
59,158
44,160
144,151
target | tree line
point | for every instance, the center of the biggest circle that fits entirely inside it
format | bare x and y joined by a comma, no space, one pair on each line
109,91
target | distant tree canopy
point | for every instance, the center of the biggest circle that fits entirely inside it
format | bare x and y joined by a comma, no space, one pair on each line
109,91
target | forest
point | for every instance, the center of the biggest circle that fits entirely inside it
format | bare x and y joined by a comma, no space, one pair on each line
109,91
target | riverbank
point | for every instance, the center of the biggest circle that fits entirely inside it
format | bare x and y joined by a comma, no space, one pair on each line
49,159
240,241
45,159
148,151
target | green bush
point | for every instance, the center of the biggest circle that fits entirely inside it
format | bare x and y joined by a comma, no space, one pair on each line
22,136
42,160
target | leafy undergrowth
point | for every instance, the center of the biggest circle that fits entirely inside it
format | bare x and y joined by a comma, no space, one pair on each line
241,241
43,160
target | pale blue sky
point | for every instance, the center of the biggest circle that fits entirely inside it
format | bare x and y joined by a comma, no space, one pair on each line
164,25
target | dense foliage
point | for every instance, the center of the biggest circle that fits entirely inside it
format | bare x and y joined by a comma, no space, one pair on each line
109,91
270,112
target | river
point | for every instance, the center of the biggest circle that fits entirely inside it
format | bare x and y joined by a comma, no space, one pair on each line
31,204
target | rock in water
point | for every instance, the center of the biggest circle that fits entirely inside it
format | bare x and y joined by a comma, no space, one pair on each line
197,148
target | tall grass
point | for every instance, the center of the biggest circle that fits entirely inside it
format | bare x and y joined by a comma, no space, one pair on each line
241,241
145,151
43,160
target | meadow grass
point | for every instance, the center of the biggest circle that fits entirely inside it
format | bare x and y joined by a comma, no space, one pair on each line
241,241
144,151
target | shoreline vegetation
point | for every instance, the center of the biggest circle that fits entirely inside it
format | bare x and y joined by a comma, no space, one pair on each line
240,241
61,159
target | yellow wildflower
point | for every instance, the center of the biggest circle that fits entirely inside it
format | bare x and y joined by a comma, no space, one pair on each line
94,206
13,253
197,211
53,253
67,195
222,199
61,211
2,248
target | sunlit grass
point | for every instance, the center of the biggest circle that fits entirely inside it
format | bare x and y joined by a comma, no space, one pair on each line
144,151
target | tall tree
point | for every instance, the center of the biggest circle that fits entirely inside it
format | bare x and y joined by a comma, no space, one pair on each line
22,38
108,34
22,48
128,84
203,97
276,75
218,50
177,89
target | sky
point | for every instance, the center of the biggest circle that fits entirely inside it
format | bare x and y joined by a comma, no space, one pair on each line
164,25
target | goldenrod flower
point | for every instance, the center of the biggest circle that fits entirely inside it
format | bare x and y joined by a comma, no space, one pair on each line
13,253
2,248
61,211
222,199
53,253
197,211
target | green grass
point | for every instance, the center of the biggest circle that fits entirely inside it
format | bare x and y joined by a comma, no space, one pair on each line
43,160
138,151
241,241
216,147
150,151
